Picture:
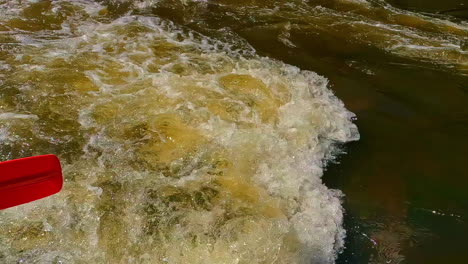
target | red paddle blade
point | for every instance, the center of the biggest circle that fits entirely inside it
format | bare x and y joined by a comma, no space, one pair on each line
28,179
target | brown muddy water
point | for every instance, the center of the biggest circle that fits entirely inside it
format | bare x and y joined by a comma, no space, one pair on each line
249,131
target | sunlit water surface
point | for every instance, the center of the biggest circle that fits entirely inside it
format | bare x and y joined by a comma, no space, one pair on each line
186,134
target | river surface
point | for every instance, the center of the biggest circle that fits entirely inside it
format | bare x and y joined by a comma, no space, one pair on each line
248,131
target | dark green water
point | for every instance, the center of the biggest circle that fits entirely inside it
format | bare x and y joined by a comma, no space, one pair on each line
457,8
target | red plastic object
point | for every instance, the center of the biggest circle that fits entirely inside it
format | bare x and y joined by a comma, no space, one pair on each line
28,179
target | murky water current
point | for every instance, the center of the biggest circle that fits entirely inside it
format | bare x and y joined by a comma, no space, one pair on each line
215,131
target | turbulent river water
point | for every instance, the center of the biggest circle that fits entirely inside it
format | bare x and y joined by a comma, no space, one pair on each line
199,131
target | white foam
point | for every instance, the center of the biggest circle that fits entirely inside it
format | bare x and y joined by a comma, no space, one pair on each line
7,116
113,192
4,135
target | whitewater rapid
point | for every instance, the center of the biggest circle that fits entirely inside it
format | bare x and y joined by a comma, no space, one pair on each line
175,147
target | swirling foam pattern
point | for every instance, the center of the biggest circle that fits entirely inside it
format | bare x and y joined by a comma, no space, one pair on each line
176,148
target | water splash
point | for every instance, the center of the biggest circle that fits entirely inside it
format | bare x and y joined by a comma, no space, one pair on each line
176,148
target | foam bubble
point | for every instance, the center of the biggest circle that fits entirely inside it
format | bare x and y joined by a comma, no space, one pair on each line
5,116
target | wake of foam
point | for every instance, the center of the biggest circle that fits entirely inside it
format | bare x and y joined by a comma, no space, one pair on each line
176,148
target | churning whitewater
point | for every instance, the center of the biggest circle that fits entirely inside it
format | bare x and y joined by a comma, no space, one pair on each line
176,148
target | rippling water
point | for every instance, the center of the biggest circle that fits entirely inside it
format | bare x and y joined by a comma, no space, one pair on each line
187,135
